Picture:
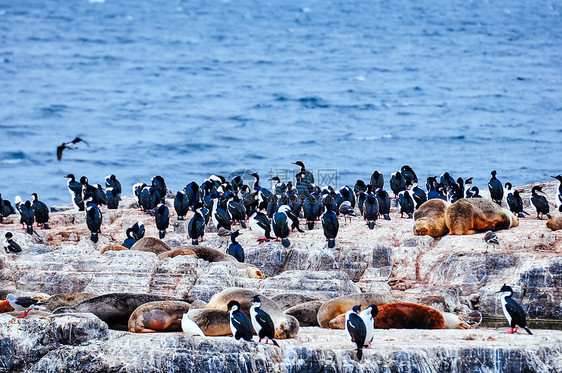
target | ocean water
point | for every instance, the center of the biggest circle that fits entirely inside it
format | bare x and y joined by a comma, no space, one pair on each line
185,89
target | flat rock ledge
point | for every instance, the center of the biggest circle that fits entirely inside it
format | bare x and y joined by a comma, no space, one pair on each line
83,343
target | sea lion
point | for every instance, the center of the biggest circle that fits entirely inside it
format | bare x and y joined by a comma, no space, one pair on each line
65,300
212,255
196,304
113,248
159,316
115,308
213,322
176,252
430,218
453,321
152,244
555,222
288,300
306,313
286,326
341,305
400,316
251,270
472,215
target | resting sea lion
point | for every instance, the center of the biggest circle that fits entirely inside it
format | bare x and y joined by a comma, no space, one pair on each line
555,223
113,248
64,300
306,313
176,252
430,218
341,305
472,215
213,322
115,308
152,244
160,316
288,300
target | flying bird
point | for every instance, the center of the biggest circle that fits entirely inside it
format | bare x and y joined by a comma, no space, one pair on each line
69,145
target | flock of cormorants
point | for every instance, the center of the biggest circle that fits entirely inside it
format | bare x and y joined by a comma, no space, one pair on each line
270,213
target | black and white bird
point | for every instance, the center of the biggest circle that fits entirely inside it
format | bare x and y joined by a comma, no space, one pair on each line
408,175
181,204
10,245
6,208
75,190
311,210
112,182
512,310
496,188
377,180
419,196
491,238
160,188
219,216
23,304
368,315
236,210
148,199
93,219
196,226
540,202
69,145
514,201
330,223
259,225
347,211
280,224
262,322
240,325
384,203
558,193
406,204
162,217
235,249
41,211
371,210
113,197
27,216
356,328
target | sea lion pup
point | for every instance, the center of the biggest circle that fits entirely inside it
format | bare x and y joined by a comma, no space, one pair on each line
159,316
286,326
430,218
306,313
115,309
288,300
339,306
152,244
213,322
555,222
472,215
65,300
401,316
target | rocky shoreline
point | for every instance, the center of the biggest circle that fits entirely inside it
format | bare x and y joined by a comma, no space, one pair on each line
451,273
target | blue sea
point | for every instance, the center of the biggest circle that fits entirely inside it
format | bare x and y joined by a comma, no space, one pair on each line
186,89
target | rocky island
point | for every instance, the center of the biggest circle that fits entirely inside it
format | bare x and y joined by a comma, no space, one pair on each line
453,274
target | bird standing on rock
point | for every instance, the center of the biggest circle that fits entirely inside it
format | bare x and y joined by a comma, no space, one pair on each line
196,226
75,190
262,323
93,219
356,328
496,188
27,215
558,194
406,204
162,217
41,211
259,225
181,204
10,245
235,249
540,202
240,325
23,304
330,223
512,310
491,238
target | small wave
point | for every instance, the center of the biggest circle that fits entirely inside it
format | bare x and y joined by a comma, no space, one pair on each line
313,102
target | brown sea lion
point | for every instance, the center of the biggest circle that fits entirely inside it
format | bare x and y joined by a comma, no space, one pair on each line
400,316
430,218
213,255
213,322
176,252
115,308
286,326
341,305
306,313
288,300
113,248
196,304
152,244
472,215
555,223
65,300
159,316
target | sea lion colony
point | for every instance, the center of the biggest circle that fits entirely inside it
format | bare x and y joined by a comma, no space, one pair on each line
448,206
